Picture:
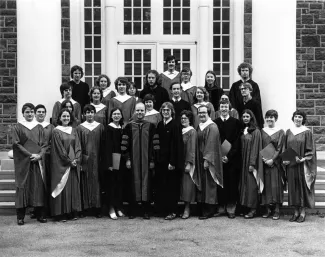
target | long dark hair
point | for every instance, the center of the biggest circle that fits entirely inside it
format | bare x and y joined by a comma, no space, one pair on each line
252,125
59,122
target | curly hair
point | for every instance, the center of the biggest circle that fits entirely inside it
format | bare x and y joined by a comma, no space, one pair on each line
103,76
243,66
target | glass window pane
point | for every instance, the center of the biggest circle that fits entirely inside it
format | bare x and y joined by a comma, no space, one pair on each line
137,14
186,2
186,14
216,55
97,42
88,28
88,69
167,29
216,28
146,28
96,3
146,3
186,55
216,68
138,82
127,2
167,52
87,3
225,2
177,14
225,14
88,14
97,56
146,67
225,55
176,28
97,14
177,54
216,14
216,2
225,41
128,55
137,28
88,56
137,3
97,28
147,55
137,55
97,69
127,68
127,14
225,82
167,3
225,69
88,80
146,14
216,42
137,69
186,28
225,28
167,14
127,28
88,43
176,2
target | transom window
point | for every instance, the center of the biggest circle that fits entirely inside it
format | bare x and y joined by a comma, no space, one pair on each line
176,15
137,17
221,41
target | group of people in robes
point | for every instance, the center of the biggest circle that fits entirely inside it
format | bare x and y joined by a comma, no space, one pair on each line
171,142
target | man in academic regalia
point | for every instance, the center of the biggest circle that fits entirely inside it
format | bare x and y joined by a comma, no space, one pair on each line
245,72
229,129
178,103
140,146
210,163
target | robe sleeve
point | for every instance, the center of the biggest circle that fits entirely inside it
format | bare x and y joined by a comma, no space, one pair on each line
155,144
191,145
255,159
310,164
125,144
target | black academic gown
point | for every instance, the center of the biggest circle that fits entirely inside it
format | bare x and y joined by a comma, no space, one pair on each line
256,108
179,106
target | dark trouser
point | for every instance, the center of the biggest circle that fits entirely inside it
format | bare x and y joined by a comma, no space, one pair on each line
38,211
208,209
114,188
145,206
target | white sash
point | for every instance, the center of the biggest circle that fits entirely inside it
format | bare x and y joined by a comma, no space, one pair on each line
62,184
90,126
28,124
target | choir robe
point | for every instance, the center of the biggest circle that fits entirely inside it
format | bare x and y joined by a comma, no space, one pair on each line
65,143
126,103
188,92
255,107
153,117
236,98
92,142
195,111
179,106
113,183
140,144
101,114
233,113
76,112
190,181
80,92
160,94
210,150
301,177
167,79
108,93
29,176
230,130
215,94
274,177
251,183
167,182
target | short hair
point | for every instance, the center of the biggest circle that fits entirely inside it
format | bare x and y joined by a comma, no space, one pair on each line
158,79
186,69
39,106
252,125
215,78
168,105
175,83
206,106
64,104
122,80
224,94
303,114
243,66
188,114
170,58
272,113
132,84
27,105
64,86
91,91
74,68
89,107
247,85
59,122
225,102
149,97
205,93
121,122
103,76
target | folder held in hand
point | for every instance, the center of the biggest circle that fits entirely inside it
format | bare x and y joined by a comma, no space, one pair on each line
289,155
225,147
268,151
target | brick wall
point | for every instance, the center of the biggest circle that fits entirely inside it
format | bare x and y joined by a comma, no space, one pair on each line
65,39
248,31
310,70
8,70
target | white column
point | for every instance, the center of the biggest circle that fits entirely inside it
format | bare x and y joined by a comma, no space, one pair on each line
110,39
205,36
274,56
39,53
76,33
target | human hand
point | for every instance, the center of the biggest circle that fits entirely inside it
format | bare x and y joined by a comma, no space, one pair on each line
286,163
35,157
128,164
171,167
250,168
74,163
151,165
206,164
300,160
110,168
269,162
187,167
225,159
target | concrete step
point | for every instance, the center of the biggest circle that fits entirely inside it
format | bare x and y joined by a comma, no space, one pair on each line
7,184
7,195
7,174
7,208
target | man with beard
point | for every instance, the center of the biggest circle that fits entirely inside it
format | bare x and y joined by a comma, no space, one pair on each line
245,72
152,86
229,129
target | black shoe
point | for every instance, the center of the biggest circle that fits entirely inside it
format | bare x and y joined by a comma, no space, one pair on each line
294,218
267,214
32,215
204,217
219,214
131,217
20,222
301,218
42,220
231,215
146,216
99,215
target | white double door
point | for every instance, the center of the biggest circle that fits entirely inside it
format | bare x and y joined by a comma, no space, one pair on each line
134,60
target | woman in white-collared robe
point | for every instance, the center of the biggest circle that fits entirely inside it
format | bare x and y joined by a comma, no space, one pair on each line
101,115
76,111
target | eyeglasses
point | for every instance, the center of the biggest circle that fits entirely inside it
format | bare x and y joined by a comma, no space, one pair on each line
243,88
184,118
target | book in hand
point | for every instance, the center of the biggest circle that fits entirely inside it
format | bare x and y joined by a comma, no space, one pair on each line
116,161
32,147
268,151
225,147
289,155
